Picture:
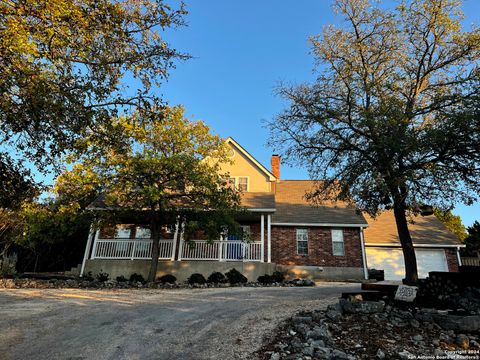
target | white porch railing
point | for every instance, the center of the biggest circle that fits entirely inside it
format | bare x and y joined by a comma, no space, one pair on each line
229,250
130,249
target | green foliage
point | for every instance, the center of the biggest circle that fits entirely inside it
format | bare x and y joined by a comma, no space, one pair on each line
88,276
46,237
452,222
8,267
196,279
167,279
265,279
161,166
102,277
217,278
235,277
392,118
134,278
278,276
472,241
121,278
64,73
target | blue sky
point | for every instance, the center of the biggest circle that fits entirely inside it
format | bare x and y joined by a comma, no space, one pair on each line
241,50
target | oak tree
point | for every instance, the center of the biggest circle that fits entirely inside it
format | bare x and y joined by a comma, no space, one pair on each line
67,66
161,167
392,120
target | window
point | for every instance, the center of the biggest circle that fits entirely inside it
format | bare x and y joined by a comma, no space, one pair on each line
243,184
302,241
338,246
142,233
122,232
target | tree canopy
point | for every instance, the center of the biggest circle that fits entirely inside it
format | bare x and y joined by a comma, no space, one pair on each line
392,119
67,66
452,222
162,166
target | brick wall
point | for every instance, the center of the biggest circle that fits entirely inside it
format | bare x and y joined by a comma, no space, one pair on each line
452,261
284,247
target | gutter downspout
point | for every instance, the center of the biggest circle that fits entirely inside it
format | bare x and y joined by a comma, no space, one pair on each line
459,259
91,234
364,257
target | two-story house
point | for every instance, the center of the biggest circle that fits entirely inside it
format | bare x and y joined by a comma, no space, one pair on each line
285,232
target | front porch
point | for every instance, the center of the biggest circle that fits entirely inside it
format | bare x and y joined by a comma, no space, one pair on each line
136,245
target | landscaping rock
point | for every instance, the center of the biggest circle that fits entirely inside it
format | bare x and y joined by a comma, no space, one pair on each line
339,355
380,354
362,307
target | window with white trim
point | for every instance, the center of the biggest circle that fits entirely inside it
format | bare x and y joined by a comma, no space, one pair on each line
338,245
302,241
142,233
231,183
243,184
122,232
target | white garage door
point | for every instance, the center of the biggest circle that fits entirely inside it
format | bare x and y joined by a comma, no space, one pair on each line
391,261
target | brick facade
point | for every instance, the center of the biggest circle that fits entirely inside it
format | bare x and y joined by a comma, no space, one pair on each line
452,261
284,247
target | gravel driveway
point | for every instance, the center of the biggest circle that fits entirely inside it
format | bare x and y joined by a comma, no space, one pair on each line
224,323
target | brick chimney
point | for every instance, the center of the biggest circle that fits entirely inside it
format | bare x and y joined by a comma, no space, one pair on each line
276,166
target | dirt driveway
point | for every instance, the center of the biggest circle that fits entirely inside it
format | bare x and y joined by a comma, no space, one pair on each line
148,324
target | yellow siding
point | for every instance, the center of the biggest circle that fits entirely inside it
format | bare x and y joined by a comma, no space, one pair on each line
242,166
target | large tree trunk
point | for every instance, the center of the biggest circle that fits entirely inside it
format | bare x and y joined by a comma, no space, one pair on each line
155,228
411,274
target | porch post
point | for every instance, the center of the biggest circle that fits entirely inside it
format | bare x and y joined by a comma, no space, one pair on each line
91,234
175,238
180,249
269,237
262,237
94,251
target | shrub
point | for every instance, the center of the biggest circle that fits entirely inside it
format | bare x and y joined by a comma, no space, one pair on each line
265,279
134,278
102,277
167,279
217,278
278,277
235,277
196,279
88,276
121,278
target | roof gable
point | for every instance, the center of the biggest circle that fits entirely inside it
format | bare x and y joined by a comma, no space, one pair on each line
246,154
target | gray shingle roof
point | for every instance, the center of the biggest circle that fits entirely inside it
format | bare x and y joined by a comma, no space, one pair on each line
292,207
427,230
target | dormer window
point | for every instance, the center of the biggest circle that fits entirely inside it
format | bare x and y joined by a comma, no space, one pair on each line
243,184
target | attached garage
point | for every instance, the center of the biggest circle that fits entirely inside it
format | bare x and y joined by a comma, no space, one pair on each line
391,261
435,246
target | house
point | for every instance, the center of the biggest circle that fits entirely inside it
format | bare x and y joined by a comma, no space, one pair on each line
285,232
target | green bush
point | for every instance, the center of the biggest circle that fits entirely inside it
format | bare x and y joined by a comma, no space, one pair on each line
235,277
167,279
265,279
217,278
102,277
121,278
278,276
196,279
88,276
134,278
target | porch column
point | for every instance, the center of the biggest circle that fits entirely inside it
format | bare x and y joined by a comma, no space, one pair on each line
180,249
269,237
91,234
94,251
175,239
262,237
